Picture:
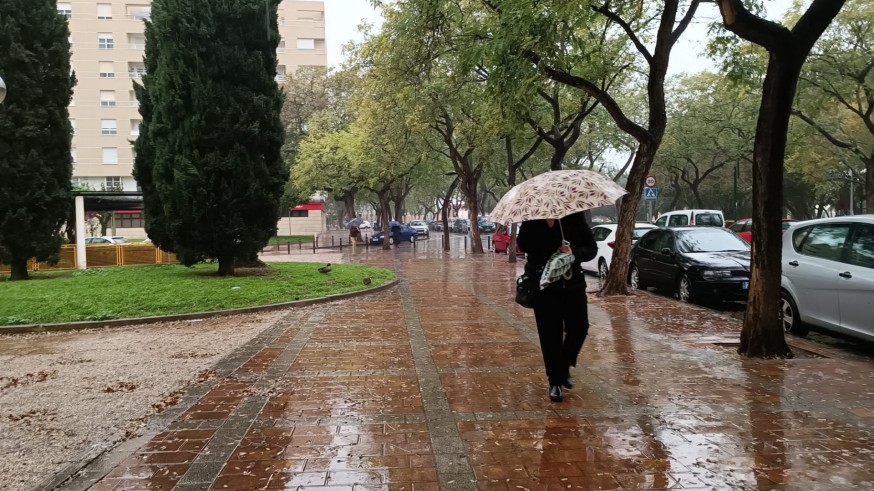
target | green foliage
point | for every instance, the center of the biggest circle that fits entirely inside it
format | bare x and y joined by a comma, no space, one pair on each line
35,132
208,154
140,291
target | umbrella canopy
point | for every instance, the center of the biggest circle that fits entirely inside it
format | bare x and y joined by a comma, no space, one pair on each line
556,194
355,222
394,223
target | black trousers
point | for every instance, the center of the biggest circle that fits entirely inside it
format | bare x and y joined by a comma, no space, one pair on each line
562,317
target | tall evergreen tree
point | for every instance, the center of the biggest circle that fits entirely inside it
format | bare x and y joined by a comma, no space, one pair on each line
208,155
35,133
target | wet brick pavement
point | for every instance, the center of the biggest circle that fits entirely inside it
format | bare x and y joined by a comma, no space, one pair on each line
438,384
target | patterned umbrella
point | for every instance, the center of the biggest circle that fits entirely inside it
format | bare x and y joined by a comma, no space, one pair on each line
556,194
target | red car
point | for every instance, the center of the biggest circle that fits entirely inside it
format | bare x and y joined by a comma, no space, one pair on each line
744,227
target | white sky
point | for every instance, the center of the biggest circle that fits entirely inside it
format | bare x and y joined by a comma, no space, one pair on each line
342,18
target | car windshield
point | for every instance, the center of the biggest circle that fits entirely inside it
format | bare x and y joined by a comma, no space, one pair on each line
709,240
638,232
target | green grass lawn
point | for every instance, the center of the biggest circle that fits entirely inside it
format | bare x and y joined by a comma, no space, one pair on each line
140,291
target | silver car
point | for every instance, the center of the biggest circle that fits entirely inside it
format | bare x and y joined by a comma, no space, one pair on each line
828,276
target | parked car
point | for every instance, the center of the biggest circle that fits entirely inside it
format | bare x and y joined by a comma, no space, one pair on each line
485,225
699,218
106,239
744,227
436,225
828,276
421,227
407,234
460,225
605,237
694,262
365,225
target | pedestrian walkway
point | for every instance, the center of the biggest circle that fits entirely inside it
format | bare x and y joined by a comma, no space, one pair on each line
438,384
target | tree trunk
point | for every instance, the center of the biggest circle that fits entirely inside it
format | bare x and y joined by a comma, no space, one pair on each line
399,209
444,212
349,204
18,270
511,182
762,333
558,154
468,187
226,266
616,282
384,219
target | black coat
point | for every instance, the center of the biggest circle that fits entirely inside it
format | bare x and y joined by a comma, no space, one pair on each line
539,242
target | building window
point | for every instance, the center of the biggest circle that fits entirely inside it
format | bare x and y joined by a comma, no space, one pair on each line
129,220
135,127
113,184
281,47
108,127
138,12
133,98
299,213
104,11
110,155
65,10
136,41
73,125
105,41
310,15
107,69
136,70
306,43
107,98
73,153
280,73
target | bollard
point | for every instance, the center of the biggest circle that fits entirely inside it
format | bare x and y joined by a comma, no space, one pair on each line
300,246
489,241
465,242
341,243
314,245
289,247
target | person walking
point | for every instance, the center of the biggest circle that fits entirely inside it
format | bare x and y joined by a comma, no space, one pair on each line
560,309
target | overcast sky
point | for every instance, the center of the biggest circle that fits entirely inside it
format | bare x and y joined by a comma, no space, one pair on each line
342,18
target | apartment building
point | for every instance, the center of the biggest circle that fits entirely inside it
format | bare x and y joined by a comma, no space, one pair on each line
108,45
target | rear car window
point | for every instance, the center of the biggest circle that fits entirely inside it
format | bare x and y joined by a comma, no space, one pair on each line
825,241
678,221
601,233
862,247
709,219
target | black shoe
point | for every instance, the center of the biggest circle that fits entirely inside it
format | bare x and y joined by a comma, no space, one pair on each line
568,382
555,394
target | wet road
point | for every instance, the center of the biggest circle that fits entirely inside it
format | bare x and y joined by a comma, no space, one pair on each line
438,384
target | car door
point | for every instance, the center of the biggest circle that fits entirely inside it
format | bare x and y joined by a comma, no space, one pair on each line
812,270
601,233
644,254
856,283
664,260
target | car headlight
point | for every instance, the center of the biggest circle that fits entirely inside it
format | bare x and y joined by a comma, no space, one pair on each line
715,274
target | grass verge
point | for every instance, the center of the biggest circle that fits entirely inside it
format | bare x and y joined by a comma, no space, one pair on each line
141,291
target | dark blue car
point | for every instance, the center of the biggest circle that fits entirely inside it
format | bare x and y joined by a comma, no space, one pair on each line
408,234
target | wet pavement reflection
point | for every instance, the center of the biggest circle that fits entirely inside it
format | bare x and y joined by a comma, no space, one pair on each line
438,384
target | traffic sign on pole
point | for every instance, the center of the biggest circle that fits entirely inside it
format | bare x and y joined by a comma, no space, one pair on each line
650,181
650,194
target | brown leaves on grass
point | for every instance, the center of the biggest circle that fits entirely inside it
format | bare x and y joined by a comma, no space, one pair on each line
166,401
190,354
205,375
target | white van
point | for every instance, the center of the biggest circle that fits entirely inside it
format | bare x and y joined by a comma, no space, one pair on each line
683,218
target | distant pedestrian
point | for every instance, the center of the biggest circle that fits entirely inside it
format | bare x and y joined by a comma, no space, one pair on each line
560,309
396,234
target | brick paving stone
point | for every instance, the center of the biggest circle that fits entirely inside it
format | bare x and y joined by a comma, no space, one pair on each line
439,384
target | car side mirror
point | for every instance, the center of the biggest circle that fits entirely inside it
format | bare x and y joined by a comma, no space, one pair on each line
667,251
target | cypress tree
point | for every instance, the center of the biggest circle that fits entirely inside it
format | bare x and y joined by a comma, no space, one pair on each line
208,154
35,133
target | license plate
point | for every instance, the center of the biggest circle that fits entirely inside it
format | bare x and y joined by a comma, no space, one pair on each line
745,285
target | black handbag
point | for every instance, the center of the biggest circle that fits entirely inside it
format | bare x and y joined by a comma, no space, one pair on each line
526,289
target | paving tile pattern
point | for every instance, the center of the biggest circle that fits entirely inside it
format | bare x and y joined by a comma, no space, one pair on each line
438,384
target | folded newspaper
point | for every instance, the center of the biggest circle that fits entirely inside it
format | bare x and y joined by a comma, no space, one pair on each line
559,265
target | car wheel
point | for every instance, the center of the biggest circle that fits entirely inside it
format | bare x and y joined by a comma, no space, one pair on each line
684,289
634,278
790,317
412,238
603,269
391,240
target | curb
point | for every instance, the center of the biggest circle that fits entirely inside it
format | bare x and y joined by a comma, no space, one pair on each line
132,321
